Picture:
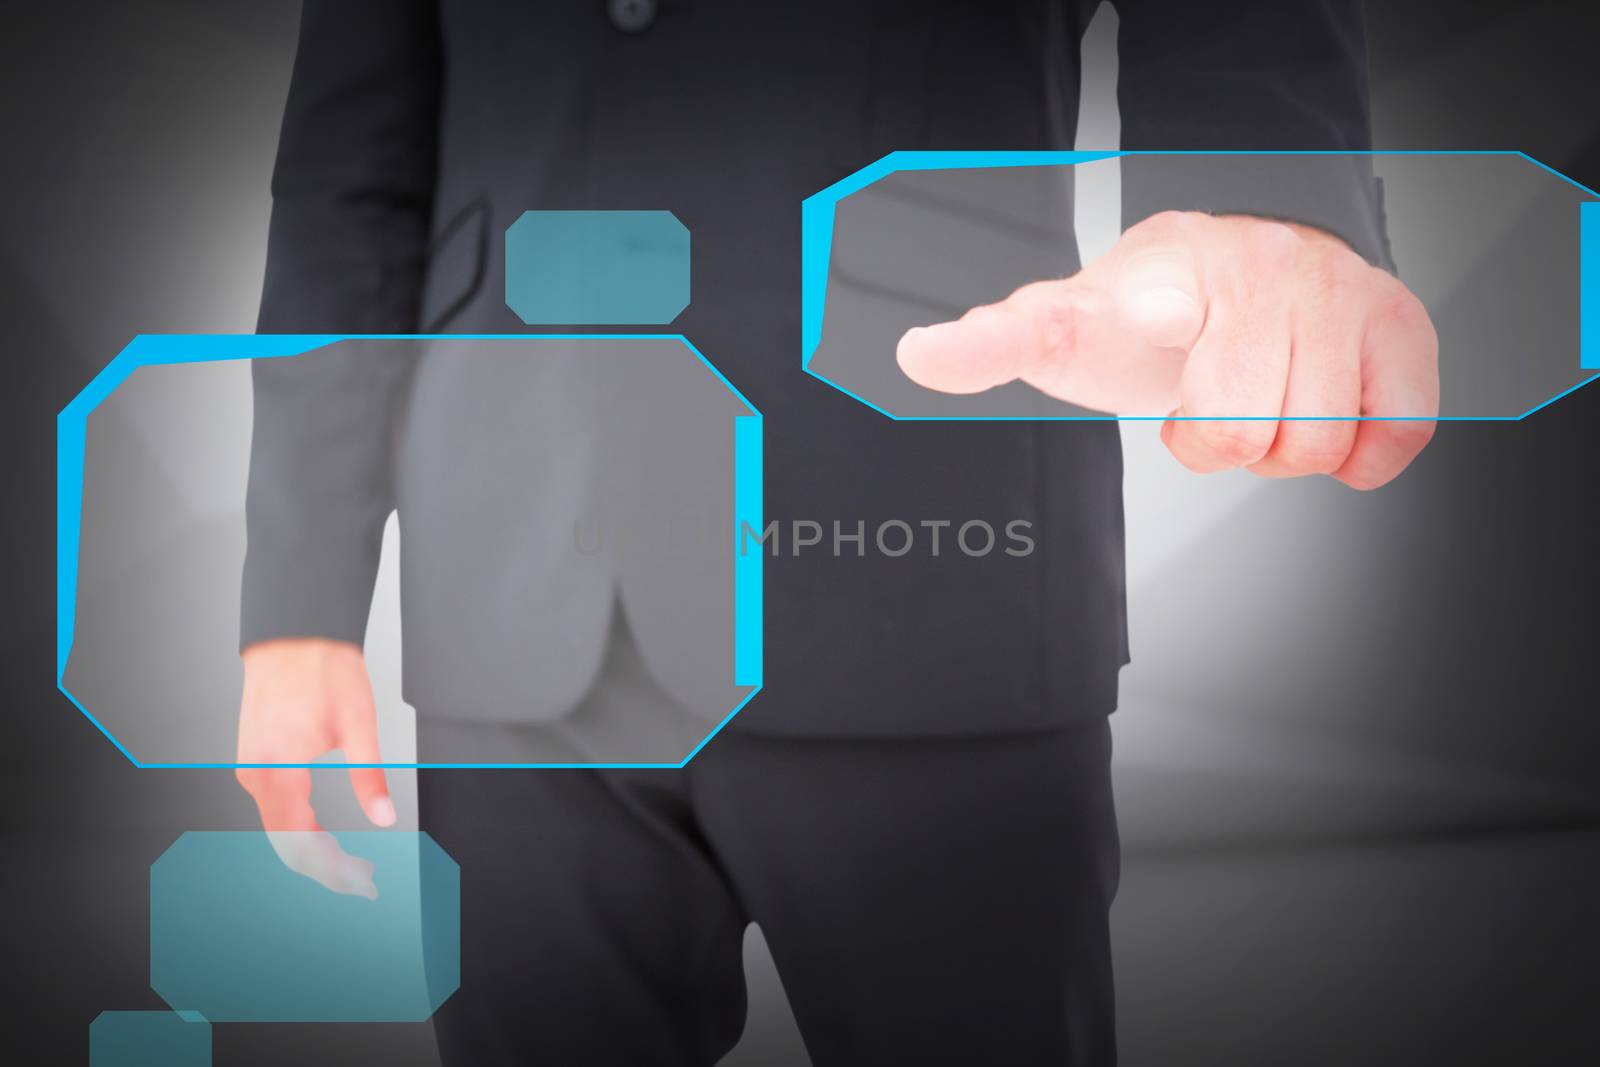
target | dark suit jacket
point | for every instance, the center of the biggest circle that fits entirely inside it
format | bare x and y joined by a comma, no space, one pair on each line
416,131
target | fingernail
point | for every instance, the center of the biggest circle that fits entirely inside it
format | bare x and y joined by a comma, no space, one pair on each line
381,811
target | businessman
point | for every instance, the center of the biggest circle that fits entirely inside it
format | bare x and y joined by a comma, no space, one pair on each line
917,809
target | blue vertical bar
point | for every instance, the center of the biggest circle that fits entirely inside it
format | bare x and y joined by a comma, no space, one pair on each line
747,514
1589,284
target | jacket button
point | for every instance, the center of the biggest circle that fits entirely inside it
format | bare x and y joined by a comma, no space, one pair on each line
631,16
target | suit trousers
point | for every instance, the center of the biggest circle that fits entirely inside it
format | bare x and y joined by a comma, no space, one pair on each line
926,900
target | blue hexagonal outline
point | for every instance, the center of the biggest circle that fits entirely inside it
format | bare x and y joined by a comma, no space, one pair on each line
816,248
159,349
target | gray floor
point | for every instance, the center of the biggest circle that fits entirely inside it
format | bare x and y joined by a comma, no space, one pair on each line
1458,948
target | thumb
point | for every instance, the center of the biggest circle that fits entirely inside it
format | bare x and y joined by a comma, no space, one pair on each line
360,744
1158,296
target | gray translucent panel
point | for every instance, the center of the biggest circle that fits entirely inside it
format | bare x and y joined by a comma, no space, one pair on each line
1489,243
237,935
561,573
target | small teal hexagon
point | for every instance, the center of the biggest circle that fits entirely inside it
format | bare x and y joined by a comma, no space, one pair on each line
597,267
149,1039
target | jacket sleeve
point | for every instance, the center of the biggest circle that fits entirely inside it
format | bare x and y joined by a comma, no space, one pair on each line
352,191
1250,75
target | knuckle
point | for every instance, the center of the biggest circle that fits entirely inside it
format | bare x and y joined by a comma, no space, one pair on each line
1168,225
1316,448
1237,442
1185,452
1398,308
1413,436
1272,244
1056,325
1335,279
